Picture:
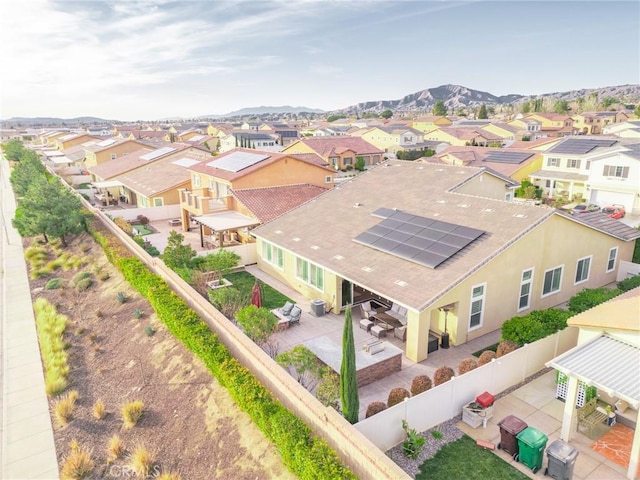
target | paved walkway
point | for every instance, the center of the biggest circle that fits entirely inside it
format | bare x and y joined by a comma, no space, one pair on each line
27,450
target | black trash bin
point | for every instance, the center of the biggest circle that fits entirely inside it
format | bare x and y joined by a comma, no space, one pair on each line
561,460
510,426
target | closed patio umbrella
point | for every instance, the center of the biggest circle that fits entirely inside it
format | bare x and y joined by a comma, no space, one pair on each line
256,295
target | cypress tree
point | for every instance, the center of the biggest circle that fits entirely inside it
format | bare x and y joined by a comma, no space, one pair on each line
348,380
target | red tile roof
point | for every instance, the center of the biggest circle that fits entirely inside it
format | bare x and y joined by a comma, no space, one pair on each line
271,202
331,146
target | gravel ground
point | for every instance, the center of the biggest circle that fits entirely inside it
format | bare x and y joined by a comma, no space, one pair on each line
450,433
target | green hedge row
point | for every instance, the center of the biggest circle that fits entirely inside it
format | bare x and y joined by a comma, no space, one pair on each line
308,456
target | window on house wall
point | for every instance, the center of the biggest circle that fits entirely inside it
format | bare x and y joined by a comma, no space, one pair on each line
197,182
477,306
113,156
222,190
524,301
616,171
582,270
347,160
553,162
552,281
508,196
310,273
611,263
573,163
588,165
158,202
327,179
273,255
143,201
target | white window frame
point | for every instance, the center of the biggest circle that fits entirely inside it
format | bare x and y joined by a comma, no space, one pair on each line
197,181
508,197
553,162
310,273
573,163
474,299
552,292
328,179
588,259
158,202
611,261
273,255
525,282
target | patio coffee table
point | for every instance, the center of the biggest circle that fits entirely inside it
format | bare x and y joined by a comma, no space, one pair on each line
387,321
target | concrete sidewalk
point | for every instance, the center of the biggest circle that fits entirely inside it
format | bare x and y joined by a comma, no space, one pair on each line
27,449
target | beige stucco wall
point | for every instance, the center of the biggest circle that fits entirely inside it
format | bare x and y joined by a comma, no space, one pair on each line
586,334
287,171
484,185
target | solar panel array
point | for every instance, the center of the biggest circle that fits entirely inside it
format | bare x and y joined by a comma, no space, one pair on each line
418,239
581,146
237,161
499,156
157,153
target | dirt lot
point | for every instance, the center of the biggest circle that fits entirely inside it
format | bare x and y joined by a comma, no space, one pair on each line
190,424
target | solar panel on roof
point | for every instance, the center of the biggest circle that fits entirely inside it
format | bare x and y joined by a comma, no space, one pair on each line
383,212
507,157
157,153
237,161
402,235
581,146
106,143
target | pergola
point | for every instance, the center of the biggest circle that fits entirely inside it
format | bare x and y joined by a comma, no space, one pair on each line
610,365
223,221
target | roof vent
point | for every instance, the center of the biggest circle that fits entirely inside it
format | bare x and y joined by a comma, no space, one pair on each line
487,210
278,232
367,269
338,257
441,201
357,204
436,214
315,247
296,239
401,283
520,215
464,205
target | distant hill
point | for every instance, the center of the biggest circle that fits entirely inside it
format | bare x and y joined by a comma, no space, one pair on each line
45,121
455,96
285,109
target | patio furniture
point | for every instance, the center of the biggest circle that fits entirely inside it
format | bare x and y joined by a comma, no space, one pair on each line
398,312
367,310
366,324
589,416
401,333
378,331
288,313
294,316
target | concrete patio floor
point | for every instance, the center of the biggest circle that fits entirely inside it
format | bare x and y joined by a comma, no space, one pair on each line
535,403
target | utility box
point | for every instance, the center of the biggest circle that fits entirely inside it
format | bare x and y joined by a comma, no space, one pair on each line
317,307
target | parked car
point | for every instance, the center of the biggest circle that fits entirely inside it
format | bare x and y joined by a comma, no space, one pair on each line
614,211
585,208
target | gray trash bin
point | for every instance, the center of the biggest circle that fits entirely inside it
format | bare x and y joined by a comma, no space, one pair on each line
317,307
561,460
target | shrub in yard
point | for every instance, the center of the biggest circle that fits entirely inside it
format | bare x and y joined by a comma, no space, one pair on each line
104,276
54,284
629,283
141,461
115,448
165,475
397,395
99,410
534,326
78,464
419,384
375,407
79,276
131,413
142,220
414,442
590,297
138,313
84,284
64,407
506,347
124,225
149,331
51,327
443,374
486,357
228,300
121,298
466,365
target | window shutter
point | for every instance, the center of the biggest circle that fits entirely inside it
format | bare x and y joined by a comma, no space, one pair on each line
606,171
625,172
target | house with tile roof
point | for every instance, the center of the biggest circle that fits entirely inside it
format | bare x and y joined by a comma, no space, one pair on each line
394,138
602,170
249,138
430,122
594,123
341,152
553,124
72,139
249,186
460,263
109,149
504,130
461,136
629,129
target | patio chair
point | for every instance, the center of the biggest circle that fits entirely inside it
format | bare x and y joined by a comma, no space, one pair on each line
367,310
294,316
286,309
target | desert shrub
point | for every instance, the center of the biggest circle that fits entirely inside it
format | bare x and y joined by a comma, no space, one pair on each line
54,284
443,374
165,475
149,331
141,461
505,347
397,395
37,256
131,413
629,283
124,225
78,464
486,357
79,277
64,407
138,313
375,407
54,264
466,365
99,410
51,327
104,276
84,284
115,449
121,298
40,273
590,297
419,384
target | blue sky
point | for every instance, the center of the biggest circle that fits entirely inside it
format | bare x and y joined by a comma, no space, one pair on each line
145,59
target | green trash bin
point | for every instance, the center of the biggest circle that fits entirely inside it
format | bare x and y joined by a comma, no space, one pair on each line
531,444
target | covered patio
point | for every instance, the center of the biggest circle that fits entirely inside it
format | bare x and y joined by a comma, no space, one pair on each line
219,230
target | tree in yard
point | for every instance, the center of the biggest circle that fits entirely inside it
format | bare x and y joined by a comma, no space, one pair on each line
561,106
258,324
525,107
303,364
177,255
482,113
348,381
28,170
387,114
220,263
359,164
439,109
49,209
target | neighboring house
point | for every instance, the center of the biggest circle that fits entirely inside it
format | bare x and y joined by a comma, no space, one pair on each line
606,357
541,144
602,170
504,130
48,138
148,135
515,164
213,182
464,136
72,139
249,139
458,262
630,129
430,122
331,131
553,124
96,131
9,134
340,152
530,127
394,138
109,149
593,123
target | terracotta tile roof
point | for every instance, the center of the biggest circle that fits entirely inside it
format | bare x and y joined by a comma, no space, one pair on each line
470,133
476,157
533,143
130,161
326,146
271,202
156,177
